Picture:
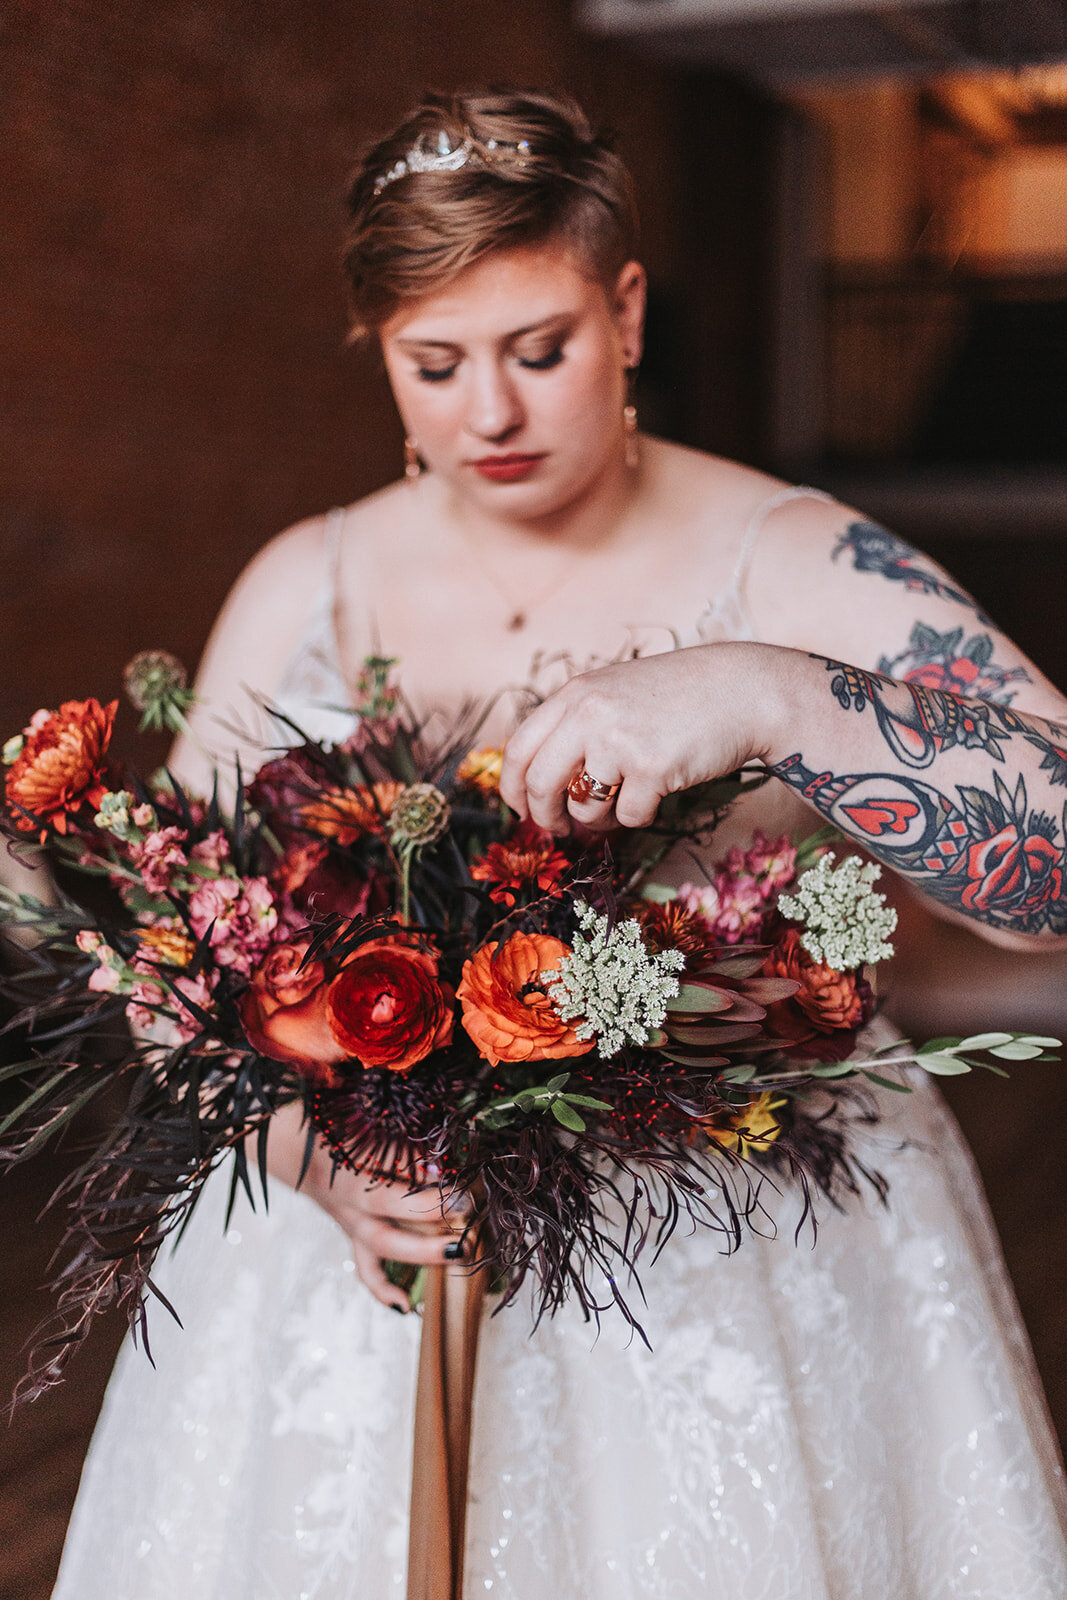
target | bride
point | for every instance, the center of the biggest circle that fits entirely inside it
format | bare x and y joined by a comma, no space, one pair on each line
860,1420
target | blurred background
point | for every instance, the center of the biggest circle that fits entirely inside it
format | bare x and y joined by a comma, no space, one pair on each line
855,225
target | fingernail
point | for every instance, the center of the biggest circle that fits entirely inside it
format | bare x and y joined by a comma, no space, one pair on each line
394,1307
454,1250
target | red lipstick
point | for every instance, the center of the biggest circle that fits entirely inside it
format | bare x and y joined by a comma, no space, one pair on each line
506,469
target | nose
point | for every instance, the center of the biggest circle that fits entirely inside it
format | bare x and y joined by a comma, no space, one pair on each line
494,410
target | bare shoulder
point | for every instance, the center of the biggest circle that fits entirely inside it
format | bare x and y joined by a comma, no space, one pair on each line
720,495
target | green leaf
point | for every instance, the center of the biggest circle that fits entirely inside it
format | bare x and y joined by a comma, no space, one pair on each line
1016,1051
947,1041
558,1082
832,1069
566,1115
942,1066
985,1041
1039,1039
886,1083
744,1074
700,997
658,894
588,1101
526,1099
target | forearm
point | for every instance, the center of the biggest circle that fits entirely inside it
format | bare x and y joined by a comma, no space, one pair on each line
963,798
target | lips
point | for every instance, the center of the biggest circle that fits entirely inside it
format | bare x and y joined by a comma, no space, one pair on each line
506,469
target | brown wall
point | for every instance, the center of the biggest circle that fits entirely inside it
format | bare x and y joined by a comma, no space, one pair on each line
175,387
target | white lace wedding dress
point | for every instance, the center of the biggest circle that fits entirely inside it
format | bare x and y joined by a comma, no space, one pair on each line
860,1420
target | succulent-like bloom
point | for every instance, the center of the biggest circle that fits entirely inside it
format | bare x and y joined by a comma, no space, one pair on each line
611,986
115,813
847,922
419,817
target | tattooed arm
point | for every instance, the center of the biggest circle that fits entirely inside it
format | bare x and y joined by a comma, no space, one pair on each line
955,777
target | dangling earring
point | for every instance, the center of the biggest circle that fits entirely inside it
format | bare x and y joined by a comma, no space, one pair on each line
632,447
412,463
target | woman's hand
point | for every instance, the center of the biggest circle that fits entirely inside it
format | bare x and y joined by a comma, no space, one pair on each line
383,1221
653,726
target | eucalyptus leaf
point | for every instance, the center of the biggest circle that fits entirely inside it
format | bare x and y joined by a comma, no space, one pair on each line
1016,1051
1039,1039
566,1115
947,1041
558,1082
985,1041
941,1065
832,1069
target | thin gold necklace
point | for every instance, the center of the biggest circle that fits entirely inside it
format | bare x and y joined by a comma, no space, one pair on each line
519,611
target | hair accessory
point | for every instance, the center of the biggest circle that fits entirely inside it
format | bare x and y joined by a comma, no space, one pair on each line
586,787
438,154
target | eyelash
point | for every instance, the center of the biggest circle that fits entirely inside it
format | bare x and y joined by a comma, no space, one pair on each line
543,363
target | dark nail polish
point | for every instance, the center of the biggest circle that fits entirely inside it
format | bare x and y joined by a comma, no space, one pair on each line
454,1250
394,1307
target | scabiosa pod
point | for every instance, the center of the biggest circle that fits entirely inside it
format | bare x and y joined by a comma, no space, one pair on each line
612,983
846,921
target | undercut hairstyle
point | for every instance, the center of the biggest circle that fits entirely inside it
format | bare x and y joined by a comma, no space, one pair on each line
535,173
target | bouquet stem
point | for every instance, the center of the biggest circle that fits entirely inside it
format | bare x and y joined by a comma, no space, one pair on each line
451,1320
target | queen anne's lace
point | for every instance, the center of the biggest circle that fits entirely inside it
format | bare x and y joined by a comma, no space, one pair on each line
847,922
612,983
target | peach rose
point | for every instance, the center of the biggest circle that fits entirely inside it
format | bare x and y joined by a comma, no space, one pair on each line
505,1008
283,1013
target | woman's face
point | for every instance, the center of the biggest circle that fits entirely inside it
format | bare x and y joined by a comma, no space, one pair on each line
512,378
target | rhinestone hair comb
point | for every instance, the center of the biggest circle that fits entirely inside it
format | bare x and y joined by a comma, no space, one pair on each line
438,154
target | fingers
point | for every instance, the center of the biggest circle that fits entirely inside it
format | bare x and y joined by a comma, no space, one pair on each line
524,745
371,1273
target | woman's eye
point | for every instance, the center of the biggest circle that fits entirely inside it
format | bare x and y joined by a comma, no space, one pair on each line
542,363
436,374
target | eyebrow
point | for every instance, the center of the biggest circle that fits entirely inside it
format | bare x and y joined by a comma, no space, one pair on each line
547,323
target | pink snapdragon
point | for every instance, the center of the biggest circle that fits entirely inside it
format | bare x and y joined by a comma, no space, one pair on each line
212,852
772,862
242,916
159,856
148,995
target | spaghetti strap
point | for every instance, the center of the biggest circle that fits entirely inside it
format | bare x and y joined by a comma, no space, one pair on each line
726,614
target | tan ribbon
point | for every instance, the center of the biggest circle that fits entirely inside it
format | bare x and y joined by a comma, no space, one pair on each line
451,1319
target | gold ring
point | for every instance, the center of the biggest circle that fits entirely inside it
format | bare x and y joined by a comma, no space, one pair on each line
586,787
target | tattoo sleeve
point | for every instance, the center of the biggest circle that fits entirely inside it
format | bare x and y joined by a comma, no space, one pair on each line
968,831
874,549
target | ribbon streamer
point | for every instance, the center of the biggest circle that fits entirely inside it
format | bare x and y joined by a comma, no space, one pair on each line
451,1320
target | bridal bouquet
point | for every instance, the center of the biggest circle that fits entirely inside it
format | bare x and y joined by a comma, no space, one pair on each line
581,1053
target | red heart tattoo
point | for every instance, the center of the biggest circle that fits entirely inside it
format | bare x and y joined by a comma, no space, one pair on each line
882,816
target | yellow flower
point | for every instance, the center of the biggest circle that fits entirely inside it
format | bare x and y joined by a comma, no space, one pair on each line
481,769
746,1129
165,944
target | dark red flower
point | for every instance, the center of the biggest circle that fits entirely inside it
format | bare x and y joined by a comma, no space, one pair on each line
387,1007
527,863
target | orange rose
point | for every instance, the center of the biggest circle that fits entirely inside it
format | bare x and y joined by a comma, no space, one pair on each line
505,1008
387,1008
60,765
284,1013
343,814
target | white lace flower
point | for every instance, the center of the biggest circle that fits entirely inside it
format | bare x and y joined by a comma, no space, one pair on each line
612,983
847,922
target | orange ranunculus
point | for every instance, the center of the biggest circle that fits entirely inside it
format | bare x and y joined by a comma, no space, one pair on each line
828,998
387,1008
505,1008
343,814
284,1013
60,765
481,770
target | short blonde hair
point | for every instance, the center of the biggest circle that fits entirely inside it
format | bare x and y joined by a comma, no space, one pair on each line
411,235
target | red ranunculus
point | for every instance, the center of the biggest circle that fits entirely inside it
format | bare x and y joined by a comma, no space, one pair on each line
1013,874
387,1008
